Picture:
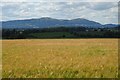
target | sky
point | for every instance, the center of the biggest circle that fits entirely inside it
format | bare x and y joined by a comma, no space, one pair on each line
101,11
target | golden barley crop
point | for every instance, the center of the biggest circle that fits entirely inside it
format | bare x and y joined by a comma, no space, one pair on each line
60,58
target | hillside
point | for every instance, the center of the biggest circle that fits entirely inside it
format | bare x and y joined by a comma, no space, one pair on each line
46,22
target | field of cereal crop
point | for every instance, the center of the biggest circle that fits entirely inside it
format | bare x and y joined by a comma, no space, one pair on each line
60,58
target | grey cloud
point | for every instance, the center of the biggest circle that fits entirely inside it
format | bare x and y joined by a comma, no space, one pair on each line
69,10
101,5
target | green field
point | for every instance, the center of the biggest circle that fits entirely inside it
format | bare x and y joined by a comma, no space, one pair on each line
60,58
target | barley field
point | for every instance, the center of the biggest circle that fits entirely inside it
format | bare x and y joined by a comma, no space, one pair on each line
60,58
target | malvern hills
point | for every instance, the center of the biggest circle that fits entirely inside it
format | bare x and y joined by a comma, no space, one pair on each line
46,22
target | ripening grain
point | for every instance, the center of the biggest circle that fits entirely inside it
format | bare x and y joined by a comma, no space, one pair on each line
60,58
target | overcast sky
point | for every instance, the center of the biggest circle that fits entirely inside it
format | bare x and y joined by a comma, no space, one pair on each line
103,12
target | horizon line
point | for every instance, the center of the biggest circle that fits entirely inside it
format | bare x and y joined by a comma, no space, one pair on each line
57,19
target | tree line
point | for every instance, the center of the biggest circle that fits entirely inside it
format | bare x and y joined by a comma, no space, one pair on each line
78,32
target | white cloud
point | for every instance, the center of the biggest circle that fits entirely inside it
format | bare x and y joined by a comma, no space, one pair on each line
102,5
100,12
59,0
104,0
114,9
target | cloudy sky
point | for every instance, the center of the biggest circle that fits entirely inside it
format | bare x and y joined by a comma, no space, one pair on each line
103,12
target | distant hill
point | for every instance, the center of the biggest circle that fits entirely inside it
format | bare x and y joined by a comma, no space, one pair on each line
46,22
110,25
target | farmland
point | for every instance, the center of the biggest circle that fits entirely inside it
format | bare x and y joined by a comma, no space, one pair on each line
60,58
